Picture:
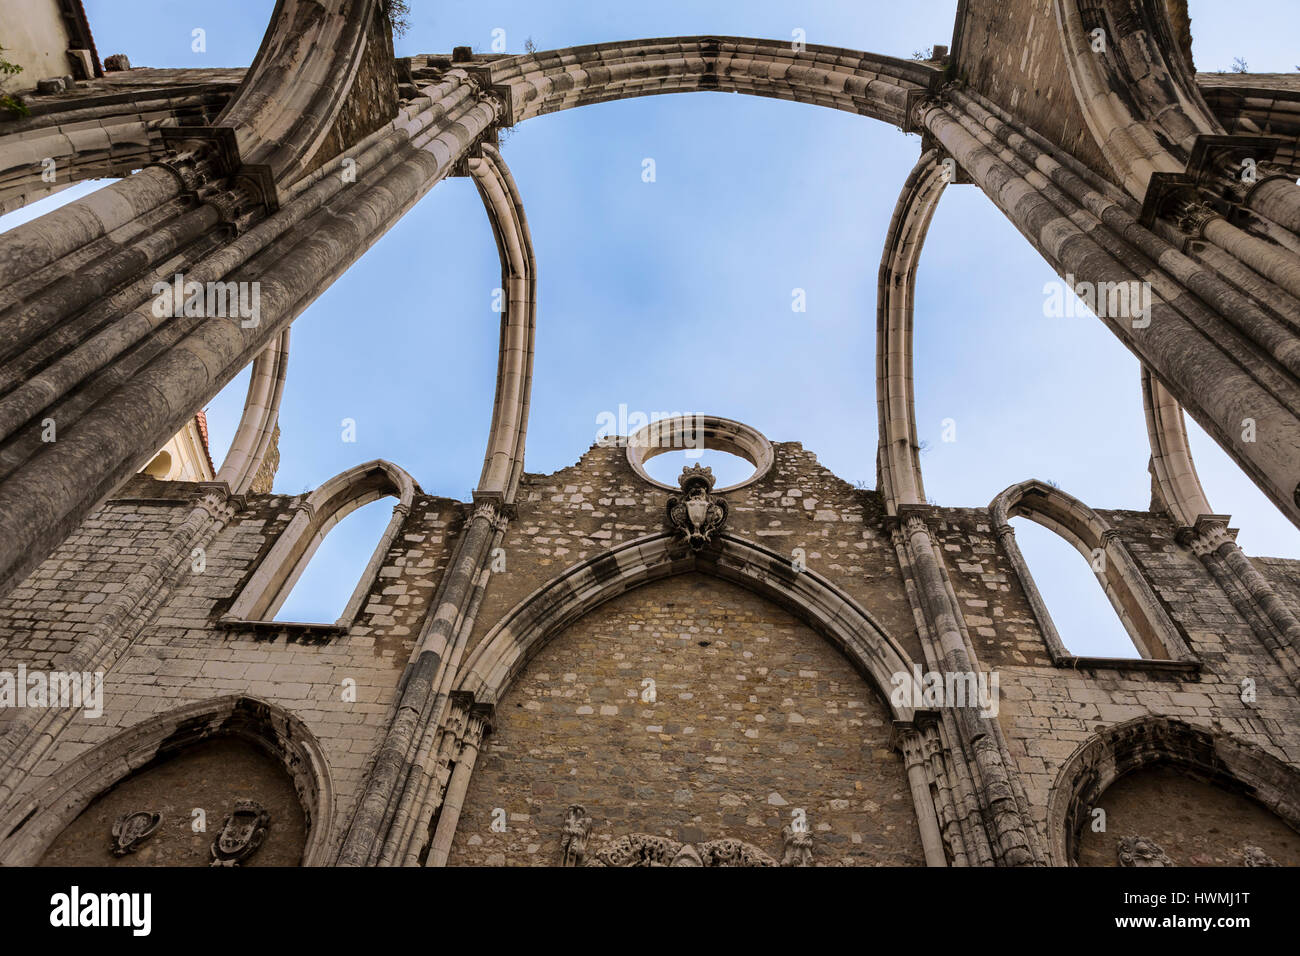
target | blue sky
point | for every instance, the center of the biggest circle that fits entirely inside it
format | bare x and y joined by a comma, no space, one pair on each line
676,295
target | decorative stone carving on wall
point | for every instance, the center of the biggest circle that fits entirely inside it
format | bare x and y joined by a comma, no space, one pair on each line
1139,851
798,846
132,829
573,843
241,834
645,849
697,515
1255,856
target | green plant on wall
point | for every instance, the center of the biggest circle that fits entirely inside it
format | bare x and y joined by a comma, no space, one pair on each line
8,102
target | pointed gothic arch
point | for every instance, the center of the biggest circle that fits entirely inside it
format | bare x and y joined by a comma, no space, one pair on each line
1214,757
38,815
273,579
506,649
1152,630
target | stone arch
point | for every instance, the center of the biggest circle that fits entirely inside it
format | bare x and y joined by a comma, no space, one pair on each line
506,649
1217,758
1152,630
868,84
1172,467
32,824
1140,99
315,516
899,451
697,594
257,425
503,463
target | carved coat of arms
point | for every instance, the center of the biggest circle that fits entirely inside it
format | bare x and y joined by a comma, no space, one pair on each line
132,829
241,834
696,515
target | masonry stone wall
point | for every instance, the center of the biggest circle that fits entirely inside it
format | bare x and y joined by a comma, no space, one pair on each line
1011,52
600,502
755,716
1195,823
194,792
570,730
185,654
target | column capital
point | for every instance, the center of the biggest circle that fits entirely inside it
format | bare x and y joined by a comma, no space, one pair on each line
1207,535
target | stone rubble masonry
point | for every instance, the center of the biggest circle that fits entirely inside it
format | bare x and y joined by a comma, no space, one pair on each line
755,716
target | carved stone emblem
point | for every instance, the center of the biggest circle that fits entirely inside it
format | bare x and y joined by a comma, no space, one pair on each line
1139,851
132,829
241,834
697,514
798,846
573,842
1255,856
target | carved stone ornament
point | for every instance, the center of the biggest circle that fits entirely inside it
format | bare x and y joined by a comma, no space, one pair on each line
697,514
573,842
643,849
241,834
1255,856
798,846
1139,851
132,829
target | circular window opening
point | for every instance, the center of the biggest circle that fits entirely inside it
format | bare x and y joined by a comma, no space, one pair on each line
737,454
728,469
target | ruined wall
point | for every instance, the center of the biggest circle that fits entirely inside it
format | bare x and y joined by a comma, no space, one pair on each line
600,502
571,728
1047,713
754,715
185,654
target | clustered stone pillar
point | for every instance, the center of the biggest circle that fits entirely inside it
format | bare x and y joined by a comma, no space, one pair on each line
1008,837
386,826
130,385
911,742
1215,544
1202,329
476,726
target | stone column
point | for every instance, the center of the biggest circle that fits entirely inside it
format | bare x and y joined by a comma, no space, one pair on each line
476,727
1278,629
418,696
980,737
909,742
1192,337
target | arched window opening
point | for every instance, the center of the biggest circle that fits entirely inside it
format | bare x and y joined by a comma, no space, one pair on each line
1133,603
1070,585
160,467
266,596
321,593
